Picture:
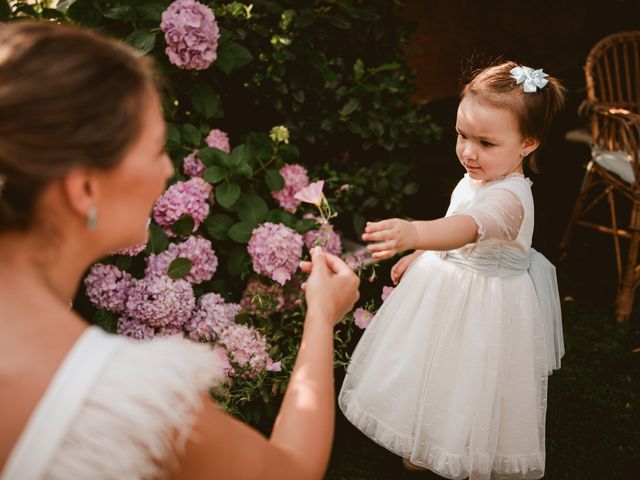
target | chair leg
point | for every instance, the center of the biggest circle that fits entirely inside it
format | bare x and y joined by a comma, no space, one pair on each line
577,210
626,291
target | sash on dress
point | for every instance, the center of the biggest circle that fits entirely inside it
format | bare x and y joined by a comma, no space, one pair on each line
506,262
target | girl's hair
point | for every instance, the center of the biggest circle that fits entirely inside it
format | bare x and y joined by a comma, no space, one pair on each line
68,98
534,111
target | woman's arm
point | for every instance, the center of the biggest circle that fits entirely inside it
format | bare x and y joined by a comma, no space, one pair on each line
396,235
299,447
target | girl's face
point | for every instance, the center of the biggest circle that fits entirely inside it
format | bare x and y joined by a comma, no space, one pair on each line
129,191
489,144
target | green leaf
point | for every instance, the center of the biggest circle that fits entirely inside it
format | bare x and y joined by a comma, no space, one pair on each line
410,188
274,180
179,268
84,12
218,226
191,134
5,10
351,106
144,40
280,216
231,56
52,14
358,69
212,156
251,208
184,226
64,4
105,320
227,194
241,232
243,169
339,21
173,141
358,223
214,174
239,262
386,66
151,11
205,101
240,161
158,240
305,225
123,262
121,12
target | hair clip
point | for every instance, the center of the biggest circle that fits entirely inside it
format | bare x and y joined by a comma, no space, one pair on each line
532,78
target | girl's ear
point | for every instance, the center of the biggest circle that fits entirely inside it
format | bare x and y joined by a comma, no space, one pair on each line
529,145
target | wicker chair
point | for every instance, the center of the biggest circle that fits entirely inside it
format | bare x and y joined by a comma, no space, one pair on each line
612,75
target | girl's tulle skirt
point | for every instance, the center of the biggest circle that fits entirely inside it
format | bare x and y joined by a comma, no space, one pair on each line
452,373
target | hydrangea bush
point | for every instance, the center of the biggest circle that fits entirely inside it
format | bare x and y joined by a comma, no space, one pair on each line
270,139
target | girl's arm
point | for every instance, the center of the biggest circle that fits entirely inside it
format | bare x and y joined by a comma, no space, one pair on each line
300,443
396,235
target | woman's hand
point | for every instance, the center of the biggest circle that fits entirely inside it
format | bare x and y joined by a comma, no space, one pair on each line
397,271
393,236
332,287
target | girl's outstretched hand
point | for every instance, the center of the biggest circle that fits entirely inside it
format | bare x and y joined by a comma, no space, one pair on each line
332,287
397,271
392,236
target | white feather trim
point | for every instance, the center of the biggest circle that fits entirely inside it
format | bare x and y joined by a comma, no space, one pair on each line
141,410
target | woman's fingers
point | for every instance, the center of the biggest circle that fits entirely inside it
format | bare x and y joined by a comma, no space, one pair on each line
305,266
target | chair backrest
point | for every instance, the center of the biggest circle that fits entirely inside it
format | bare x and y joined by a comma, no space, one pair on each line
619,130
612,71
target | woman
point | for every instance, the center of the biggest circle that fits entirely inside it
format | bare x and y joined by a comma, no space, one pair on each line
81,163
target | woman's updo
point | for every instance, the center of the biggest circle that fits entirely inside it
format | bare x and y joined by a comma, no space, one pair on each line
68,98
534,111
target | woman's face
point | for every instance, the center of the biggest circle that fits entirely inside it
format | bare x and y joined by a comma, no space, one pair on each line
129,191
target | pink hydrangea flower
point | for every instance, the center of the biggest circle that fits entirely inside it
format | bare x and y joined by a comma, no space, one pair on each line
133,250
218,139
311,193
362,318
107,287
356,259
160,301
275,251
246,347
386,291
135,329
273,366
183,198
324,237
204,262
225,367
191,33
212,316
295,179
193,166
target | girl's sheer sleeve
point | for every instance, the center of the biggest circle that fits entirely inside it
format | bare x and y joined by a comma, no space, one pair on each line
498,215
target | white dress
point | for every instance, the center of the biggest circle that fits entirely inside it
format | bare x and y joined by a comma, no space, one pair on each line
452,371
115,409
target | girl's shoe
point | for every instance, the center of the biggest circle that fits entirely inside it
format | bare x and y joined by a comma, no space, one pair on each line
412,467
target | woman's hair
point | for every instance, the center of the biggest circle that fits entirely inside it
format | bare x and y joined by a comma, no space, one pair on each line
534,110
68,98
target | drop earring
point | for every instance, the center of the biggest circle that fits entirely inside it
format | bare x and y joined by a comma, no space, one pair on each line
92,218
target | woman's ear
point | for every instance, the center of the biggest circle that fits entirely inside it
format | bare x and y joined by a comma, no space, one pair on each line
79,187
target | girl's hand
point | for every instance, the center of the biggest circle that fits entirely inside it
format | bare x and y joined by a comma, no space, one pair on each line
393,236
397,271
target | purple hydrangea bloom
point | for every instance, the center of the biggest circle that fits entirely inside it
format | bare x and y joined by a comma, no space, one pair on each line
135,329
212,316
362,318
324,237
107,287
204,262
295,179
218,139
246,347
183,198
192,165
133,250
191,33
160,301
275,250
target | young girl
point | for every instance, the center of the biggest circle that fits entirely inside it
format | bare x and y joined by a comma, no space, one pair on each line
452,372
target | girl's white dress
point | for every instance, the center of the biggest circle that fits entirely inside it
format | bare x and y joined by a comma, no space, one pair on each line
452,371
115,409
